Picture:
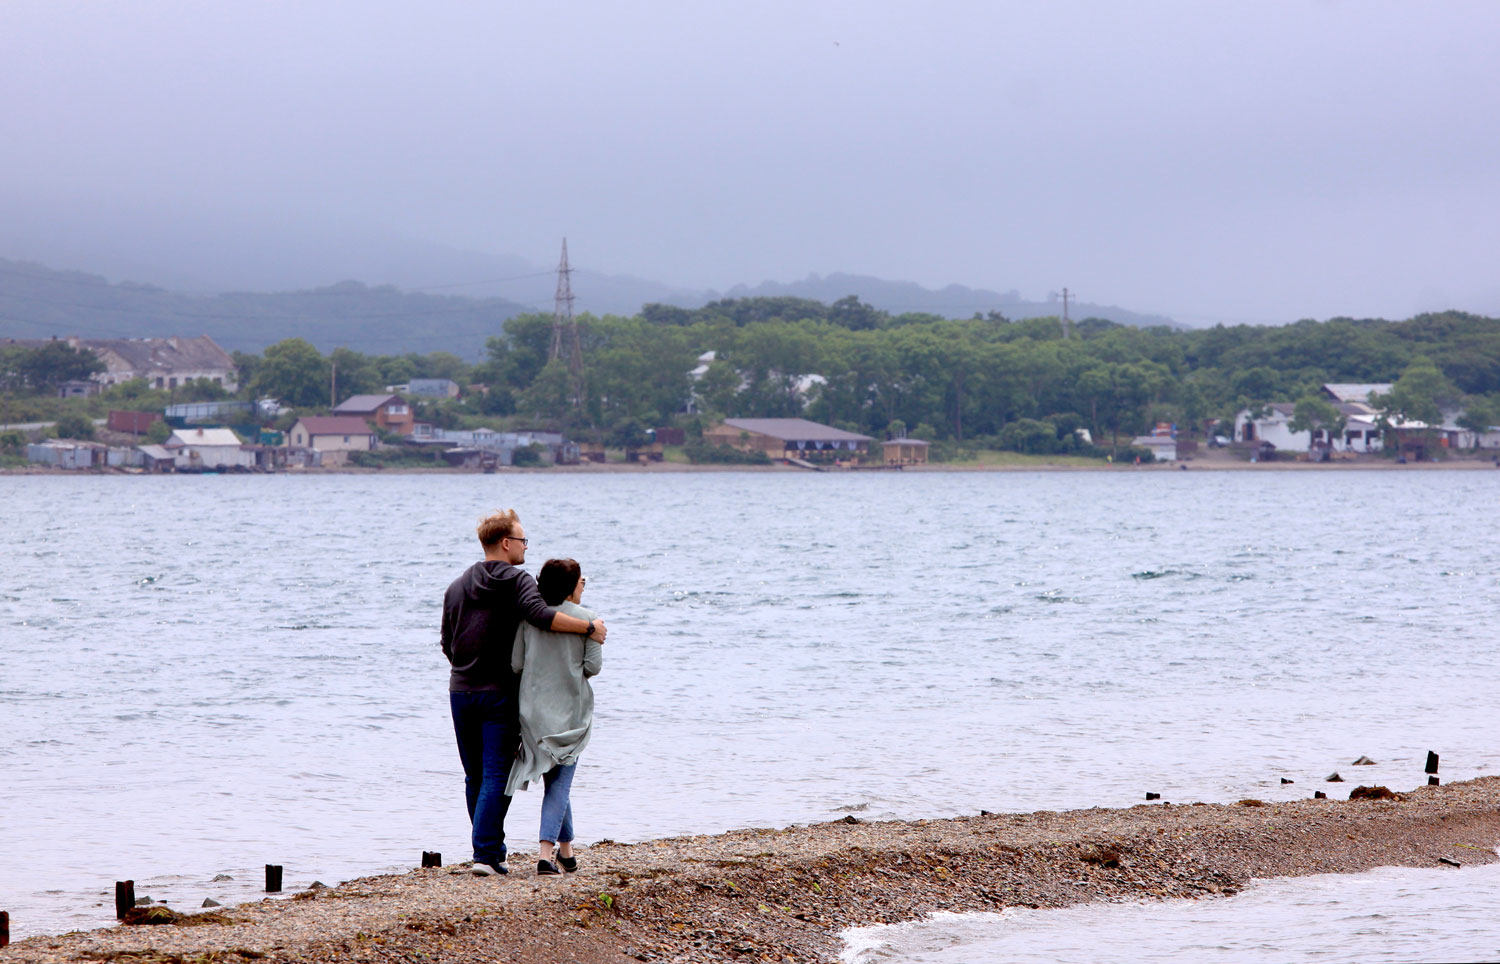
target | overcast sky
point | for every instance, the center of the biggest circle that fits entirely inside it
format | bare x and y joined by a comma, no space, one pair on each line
1258,161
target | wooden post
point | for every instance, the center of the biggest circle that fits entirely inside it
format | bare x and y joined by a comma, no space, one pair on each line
273,878
124,897
1432,762
431,859
1432,781
4,928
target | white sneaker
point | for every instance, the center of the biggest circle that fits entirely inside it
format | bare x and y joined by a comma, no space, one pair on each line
490,870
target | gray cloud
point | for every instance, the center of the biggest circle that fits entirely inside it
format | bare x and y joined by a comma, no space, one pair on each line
1256,161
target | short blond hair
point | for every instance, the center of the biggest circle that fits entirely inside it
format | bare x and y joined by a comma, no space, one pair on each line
500,524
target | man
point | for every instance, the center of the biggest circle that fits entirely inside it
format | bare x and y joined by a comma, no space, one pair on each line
481,611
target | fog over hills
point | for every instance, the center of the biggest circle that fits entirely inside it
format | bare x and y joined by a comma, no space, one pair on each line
195,254
37,301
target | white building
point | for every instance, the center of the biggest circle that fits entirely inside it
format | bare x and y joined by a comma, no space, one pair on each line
209,448
1162,447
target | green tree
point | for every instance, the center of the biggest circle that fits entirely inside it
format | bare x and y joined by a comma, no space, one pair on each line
137,395
294,372
158,432
73,427
550,396
1480,415
716,388
1419,395
200,390
358,374
42,369
1314,414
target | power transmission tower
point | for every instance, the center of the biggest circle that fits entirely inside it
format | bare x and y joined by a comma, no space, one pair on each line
1067,324
562,318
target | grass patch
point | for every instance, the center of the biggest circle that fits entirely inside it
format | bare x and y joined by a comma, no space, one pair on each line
397,458
992,458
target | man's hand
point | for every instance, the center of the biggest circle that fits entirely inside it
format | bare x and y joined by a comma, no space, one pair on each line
599,632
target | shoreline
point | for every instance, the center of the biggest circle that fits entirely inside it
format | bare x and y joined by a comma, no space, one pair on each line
763,894
658,468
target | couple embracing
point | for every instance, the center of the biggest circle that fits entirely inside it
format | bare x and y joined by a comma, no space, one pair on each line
522,651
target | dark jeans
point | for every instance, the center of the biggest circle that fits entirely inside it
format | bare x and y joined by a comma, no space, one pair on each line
488,734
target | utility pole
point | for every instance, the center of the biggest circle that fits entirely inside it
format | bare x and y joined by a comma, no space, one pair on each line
333,383
1067,324
562,318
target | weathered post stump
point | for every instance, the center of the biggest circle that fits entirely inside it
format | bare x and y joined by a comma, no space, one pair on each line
273,878
1432,762
431,859
4,928
124,897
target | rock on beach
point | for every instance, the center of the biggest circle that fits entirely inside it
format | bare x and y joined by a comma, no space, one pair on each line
787,894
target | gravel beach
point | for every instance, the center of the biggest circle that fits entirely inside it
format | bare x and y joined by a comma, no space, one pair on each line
784,895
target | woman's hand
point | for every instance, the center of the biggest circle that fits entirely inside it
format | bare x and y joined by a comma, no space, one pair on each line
599,632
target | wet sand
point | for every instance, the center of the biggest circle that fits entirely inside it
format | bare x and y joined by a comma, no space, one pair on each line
784,895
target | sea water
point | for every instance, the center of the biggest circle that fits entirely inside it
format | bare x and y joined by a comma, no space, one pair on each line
200,675
1393,915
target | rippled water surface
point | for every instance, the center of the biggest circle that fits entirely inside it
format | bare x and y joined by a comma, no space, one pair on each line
1386,916
201,675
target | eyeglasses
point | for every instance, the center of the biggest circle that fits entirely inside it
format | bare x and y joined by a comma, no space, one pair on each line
521,539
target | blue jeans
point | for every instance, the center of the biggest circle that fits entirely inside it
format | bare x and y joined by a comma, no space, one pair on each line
557,811
488,734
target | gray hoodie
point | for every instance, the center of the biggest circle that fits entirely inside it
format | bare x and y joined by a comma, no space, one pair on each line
481,611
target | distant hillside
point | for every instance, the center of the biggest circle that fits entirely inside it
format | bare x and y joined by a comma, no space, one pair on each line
954,301
38,302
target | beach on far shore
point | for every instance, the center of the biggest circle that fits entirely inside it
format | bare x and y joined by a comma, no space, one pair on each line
1039,463
788,894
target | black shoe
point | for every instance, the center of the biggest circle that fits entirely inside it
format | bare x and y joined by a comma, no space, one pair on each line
570,864
546,868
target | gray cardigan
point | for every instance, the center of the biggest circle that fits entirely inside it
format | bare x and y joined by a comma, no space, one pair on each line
556,701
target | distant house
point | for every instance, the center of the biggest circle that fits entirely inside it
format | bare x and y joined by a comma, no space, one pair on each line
67,454
163,362
1355,392
85,388
208,448
428,388
157,458
332,435
904,451
390,412
1361,432
1163,448
788,438
499,447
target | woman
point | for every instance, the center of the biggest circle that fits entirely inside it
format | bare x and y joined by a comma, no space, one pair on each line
556,708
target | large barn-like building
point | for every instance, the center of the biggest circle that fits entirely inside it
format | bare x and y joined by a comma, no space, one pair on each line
789,438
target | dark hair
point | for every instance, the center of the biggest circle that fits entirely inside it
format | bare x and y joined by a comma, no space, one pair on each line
557,580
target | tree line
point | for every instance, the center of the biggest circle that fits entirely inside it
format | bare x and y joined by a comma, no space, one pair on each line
986,381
